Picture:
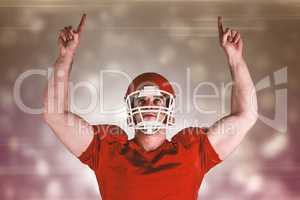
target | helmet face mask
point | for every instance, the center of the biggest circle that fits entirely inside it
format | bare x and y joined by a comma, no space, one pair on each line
146,117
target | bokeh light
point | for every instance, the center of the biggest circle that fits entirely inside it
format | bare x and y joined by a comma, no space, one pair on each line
168,37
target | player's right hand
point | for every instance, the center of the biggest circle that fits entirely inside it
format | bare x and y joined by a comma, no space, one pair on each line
230,41
68,39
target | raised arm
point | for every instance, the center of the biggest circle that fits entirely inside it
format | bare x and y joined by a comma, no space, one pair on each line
227,133
74,132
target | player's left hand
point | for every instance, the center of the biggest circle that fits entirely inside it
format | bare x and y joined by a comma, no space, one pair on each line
69,37
230,41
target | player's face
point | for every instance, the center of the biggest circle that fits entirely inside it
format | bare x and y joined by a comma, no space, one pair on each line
150,101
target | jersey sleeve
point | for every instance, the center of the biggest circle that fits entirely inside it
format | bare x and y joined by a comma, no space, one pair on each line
91,155
196,137
208,156
102,134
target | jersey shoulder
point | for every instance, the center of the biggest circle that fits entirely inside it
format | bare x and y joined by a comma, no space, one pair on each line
190,135
110,133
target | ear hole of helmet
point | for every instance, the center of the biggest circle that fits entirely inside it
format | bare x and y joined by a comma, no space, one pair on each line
167,101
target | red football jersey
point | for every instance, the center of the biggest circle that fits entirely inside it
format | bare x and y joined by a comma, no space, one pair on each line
173,171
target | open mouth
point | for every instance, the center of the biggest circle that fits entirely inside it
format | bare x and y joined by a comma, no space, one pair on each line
148,115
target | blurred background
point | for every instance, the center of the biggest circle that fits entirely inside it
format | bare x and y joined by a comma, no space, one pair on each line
175,38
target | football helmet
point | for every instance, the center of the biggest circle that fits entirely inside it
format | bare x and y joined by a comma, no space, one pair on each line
157,89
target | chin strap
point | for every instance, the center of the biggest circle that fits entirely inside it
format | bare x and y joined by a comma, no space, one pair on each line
150,131
149,127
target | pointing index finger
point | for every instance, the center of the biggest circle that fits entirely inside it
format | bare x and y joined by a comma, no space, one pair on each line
81,24
220,25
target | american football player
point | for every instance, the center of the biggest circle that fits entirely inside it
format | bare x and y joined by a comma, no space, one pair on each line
149,166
